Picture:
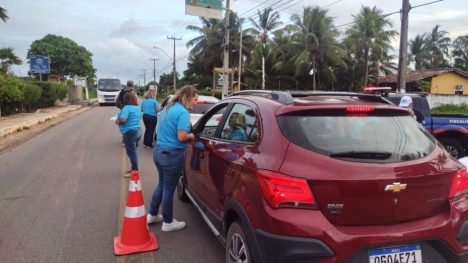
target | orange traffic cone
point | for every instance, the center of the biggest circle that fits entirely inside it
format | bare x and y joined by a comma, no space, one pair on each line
135,234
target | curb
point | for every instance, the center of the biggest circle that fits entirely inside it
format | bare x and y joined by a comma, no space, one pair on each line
36,120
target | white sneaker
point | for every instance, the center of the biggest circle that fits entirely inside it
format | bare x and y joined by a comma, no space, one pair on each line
150,219
174,225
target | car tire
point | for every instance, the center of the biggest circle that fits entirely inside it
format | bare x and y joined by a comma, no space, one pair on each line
453,147
237,248
181,185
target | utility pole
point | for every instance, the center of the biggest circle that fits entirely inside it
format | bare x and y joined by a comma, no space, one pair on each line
154,73
403,47
174,60
144,77
240,57
226,52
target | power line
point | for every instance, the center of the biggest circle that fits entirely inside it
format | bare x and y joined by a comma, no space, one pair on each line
253,8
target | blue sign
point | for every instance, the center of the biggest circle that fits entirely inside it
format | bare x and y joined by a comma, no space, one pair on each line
39,64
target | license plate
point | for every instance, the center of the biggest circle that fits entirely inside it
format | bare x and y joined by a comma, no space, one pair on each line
404,254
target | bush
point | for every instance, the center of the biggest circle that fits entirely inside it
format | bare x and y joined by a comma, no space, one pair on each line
450,109
11,95
51,92
32,95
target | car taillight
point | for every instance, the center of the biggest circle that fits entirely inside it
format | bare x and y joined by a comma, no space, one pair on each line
284,191
459,184
200,102
359,109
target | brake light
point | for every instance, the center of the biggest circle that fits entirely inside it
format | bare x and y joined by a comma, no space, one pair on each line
459,184
200,102
359,109
284,191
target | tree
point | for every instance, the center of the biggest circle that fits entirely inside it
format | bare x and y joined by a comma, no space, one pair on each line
66,57
369,35
3,15
8,58
314,45
267,22
418,51
460,52
437,44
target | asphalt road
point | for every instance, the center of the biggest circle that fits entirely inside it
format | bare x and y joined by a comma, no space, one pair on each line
62,199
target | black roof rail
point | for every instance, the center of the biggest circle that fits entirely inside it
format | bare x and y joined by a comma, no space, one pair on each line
279,96
362,96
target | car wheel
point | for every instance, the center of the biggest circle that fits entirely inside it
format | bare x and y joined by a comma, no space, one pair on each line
453,147
237,249
181,189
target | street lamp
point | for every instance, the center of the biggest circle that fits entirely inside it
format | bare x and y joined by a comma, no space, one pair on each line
173,63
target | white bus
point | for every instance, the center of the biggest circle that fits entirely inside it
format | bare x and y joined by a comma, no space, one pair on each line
108,90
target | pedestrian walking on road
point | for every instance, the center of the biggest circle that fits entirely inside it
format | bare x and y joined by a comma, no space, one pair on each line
119,102
129,125
150,108
168,155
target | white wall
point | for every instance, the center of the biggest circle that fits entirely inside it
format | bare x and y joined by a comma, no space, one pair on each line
436,99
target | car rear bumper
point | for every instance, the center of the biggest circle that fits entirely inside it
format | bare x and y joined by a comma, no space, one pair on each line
277,248
444,236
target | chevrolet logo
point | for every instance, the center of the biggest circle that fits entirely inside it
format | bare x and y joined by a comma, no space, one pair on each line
395,187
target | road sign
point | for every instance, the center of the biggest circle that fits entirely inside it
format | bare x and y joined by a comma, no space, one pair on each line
39,64
204,8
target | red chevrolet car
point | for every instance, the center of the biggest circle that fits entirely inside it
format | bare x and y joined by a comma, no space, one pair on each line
325,177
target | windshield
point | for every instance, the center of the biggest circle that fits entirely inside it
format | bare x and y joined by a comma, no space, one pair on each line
381,139
109,85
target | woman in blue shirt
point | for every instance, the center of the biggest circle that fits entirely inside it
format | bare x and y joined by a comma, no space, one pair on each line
149,107
129,125
168,155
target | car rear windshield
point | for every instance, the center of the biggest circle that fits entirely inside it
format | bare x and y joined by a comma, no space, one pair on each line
379,139
202,108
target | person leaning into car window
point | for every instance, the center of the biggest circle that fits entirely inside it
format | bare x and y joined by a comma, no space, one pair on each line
407,103
168,155
236,130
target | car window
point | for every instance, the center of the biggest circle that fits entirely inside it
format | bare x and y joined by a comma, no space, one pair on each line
212,121
201,108
241,125
380,139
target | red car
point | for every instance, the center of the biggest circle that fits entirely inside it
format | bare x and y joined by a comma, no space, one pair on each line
325,177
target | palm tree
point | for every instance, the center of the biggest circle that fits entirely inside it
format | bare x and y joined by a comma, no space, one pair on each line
3,15
208,43
418,51
369,35
437,44
314,41
8,58
267,22
460,52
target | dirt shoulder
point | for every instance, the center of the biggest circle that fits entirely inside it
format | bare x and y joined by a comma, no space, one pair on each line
10,141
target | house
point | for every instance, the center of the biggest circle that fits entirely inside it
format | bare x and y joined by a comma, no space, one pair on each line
442,81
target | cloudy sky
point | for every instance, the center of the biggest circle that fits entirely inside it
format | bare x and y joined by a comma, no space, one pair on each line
122,34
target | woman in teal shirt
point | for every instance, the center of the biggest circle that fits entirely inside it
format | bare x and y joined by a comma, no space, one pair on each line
129,125
168,155
149,107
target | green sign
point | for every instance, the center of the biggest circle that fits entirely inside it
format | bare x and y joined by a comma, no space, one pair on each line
204,8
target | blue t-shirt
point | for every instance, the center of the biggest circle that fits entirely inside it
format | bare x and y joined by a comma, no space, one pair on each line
133,115
237,135
149,106
177,118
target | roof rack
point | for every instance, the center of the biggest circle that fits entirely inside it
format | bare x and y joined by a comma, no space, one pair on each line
288,97
279,96
362,96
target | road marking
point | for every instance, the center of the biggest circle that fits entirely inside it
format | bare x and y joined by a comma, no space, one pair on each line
147,257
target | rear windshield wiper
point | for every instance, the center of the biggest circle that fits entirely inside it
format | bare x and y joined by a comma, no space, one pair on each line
362,155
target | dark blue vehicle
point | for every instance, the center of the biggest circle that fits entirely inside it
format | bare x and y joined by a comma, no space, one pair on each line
450,129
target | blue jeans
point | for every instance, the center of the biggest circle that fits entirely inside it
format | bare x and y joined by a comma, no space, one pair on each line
130,139
169,162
